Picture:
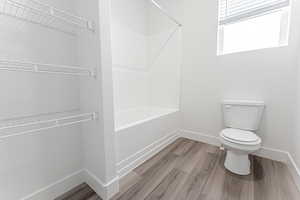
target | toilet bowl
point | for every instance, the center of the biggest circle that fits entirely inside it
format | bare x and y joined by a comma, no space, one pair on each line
242,119
239,144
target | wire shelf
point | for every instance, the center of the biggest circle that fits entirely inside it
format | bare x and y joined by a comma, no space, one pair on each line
13,65
35,124
39,13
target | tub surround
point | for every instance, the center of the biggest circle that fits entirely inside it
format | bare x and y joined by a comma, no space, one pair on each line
144,134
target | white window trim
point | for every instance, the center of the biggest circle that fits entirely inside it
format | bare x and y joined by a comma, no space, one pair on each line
284,31
285,26
246,13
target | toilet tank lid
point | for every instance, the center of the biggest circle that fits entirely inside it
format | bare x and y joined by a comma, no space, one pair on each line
244,102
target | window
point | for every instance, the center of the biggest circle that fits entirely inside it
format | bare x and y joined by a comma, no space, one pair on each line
252,24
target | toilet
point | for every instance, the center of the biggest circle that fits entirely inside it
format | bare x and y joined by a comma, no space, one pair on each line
242,119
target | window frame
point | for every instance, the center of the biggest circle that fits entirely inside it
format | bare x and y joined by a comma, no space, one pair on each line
283,37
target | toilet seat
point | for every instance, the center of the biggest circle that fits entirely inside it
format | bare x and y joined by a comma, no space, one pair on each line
242,137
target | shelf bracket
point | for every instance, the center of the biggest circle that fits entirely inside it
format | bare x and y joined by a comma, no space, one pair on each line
93,73
36,68
90,25
95,116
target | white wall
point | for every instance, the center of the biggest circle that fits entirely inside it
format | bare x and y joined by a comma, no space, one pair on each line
295,139
165,55
207,79
129,53
146,56
29,163
129,33
91,94
43,166
96,95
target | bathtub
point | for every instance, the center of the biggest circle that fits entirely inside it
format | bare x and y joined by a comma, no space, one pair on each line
141,132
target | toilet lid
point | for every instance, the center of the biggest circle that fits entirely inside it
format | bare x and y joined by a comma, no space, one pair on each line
240,135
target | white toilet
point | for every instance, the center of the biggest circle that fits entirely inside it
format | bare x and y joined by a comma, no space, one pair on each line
242,119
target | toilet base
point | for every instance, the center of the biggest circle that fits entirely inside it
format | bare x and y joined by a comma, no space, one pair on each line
237,162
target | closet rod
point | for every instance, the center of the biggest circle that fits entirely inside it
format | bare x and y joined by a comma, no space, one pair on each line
13,65
56,123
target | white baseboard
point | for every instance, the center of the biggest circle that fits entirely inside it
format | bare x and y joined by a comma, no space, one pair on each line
104,190
295,170
273,154
107,190
57,188
265,152
133,161
207,139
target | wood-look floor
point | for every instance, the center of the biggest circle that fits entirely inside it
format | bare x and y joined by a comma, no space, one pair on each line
189,170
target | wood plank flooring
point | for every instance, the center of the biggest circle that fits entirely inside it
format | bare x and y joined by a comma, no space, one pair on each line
189,170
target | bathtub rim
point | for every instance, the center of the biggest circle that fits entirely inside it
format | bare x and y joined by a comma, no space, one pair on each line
135,123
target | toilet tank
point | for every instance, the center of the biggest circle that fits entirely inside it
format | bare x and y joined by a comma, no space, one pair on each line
245,115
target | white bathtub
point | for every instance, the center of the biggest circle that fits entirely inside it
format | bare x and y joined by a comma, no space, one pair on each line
141,131
133,117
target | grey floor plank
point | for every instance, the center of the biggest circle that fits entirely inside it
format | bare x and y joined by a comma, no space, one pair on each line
83,194
189,170
237,187
287,187
126,183
265,185
149,163
76,190
272,181
213,190
150,179
184,147
94,197
188,161
166,189
197,179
